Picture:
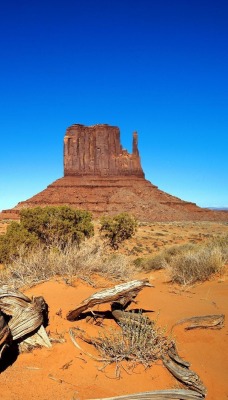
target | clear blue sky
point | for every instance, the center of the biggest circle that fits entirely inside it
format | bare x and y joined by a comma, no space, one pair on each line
158,67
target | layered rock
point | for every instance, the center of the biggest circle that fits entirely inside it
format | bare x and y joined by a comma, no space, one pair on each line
101,177
96,150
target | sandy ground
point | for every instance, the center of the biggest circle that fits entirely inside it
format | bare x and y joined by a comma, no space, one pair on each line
64,372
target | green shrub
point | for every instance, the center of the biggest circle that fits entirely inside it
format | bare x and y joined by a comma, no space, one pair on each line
15,236
57,224
118,228
139,262
48,226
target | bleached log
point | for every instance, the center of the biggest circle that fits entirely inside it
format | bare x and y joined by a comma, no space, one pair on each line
170,394
123,293
27,314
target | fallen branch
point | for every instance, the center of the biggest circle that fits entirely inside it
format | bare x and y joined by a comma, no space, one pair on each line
123,294
172,353
184,375
214,321
72,336
171,394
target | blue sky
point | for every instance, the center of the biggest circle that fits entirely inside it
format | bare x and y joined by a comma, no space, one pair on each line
157,67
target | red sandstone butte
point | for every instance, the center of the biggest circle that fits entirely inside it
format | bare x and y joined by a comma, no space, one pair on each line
96,150
102,177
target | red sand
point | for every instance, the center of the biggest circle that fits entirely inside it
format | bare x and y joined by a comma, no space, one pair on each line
42,375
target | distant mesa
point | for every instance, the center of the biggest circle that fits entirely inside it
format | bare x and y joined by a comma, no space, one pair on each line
101,177
218,208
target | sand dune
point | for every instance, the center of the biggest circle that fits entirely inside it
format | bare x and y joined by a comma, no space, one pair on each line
64,372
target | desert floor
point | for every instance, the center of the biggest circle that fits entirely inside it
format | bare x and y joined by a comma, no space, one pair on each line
65,372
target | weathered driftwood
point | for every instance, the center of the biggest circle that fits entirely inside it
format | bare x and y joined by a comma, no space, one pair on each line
184,374
7,291
40,338
170,394
172,353
26,315
5,334
123,294
213,321
87,339
4,330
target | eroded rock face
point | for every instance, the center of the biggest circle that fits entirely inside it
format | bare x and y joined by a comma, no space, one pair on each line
96,150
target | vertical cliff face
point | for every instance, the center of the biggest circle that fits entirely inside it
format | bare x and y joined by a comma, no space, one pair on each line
96,150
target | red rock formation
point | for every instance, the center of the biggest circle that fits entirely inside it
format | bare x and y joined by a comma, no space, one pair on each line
96,150
101,177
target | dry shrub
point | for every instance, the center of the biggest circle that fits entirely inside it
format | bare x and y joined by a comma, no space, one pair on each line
154,263
162,259
91,258
222,243
27,268
43,263
195,266
139,341
190,263
117,267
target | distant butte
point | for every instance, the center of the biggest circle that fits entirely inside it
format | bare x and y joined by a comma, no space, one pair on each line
96,151
101,177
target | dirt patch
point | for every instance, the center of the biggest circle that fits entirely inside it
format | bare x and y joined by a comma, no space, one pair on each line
151,238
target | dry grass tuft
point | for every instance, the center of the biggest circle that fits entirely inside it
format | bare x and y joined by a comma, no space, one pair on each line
139,341
190,263
41,264
196,266
162,259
